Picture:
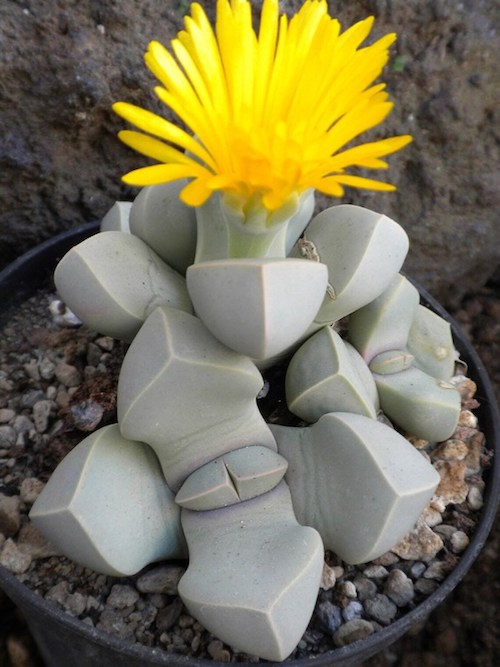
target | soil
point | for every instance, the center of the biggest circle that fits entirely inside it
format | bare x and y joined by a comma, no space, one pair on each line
457,629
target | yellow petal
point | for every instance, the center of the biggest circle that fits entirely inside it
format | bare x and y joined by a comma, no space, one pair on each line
364,183
151,147
196,192
266,46
160,173
150,122
366,155
329,186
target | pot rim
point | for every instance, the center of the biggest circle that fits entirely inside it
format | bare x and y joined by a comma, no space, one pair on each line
21,278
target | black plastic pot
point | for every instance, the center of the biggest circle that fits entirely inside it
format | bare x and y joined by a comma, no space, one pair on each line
63,640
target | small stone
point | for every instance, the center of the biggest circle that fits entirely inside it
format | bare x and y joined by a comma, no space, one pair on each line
366,588
348,589
30,397
375,572
6,415
328,577
445,531
353,631
426,586
47,368
418,443
62,398
30,489
110,621
145,616
67,375
23,424
464,433
161,579
381,608
13,559
420,544
105,343
93,604
473,458
475,498
87,415
8,436
10,514
459,541
41,415
167,617
58,593
94,353
122,596
438,505
330,616
22,440
30,541
386,559
217,651
185,621
32,371
452,488
436,571
74,603
51,393
352,610
418,569
431,516
160,601
467,418
466,387
62,315
6,385
399,588
451,450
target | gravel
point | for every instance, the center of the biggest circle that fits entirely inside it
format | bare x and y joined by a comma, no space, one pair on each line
57,384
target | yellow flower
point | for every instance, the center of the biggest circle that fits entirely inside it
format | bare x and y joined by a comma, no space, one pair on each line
270,113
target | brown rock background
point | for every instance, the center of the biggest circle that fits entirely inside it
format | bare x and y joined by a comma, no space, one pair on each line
64,62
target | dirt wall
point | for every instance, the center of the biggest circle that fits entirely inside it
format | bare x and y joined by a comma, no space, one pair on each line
64,62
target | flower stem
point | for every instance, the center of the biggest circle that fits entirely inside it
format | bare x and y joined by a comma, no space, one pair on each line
225,231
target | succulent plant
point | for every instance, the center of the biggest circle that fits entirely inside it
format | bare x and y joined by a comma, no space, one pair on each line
425,405
188,397
107,505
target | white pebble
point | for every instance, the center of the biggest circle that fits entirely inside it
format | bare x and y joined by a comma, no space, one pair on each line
375,572
31,487
459,542
467,418
328,577
348,589
475,498
6,415
13,559
438,504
